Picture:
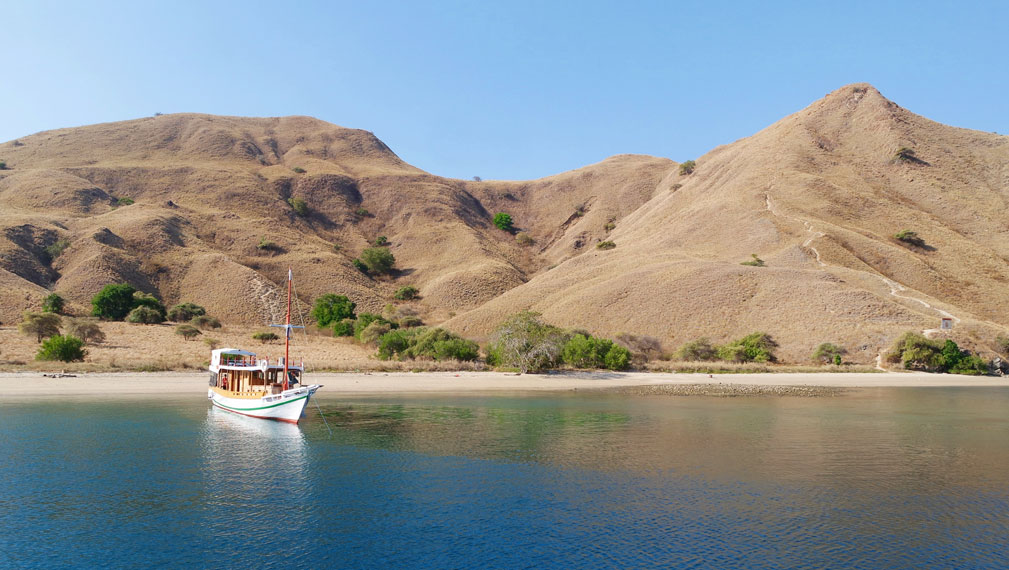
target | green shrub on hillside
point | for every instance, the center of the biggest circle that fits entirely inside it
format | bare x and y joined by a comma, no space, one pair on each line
141,299
113,302
604,245
909,237
144,315
503,221
365,319
53,303
617,358
344,327
411,321
687,167
371,333
268,245
62,348
394,343
264,336
426,343
828,353
754,347
205,322
331,308
298,170
586,351
378,260
700,350
184,312
57,248
381,240
755,262
917,352
299,206
406,293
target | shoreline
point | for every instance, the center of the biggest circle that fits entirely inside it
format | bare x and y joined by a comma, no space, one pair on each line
32,385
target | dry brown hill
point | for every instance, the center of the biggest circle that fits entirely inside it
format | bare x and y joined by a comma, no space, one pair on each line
206,191
818,196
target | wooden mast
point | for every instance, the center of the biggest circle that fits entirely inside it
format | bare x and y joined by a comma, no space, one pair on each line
287,326
287,330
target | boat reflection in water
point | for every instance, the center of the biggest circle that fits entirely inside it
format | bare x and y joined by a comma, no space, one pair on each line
256,481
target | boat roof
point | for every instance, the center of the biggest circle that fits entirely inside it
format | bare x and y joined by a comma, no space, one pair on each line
221,351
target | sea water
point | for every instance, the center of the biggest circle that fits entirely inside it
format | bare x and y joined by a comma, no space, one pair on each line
885,478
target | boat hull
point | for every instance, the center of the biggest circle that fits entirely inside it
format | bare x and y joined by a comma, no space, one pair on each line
287,406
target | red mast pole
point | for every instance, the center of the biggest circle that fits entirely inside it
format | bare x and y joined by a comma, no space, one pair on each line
287,330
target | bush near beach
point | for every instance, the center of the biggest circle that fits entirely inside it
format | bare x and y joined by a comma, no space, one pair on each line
63,348
917,352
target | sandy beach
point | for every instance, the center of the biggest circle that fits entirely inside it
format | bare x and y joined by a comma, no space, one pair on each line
28,385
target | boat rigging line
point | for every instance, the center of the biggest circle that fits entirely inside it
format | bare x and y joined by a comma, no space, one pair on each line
323,417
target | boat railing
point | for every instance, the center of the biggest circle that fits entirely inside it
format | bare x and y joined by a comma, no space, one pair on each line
251,361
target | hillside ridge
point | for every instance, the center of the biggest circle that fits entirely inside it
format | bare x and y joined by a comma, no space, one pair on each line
180,206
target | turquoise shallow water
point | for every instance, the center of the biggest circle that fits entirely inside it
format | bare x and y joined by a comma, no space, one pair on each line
899,478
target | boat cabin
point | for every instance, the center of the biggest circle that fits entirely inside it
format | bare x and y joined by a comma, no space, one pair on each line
241,373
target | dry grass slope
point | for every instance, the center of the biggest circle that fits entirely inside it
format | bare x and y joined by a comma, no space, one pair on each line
178,205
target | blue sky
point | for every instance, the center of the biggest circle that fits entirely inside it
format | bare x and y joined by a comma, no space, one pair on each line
502,90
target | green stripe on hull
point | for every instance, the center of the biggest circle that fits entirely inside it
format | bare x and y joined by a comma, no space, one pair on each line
259,408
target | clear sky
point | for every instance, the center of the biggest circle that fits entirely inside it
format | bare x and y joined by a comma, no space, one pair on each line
501,90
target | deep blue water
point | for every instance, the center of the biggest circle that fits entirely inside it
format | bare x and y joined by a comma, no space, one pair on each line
910,478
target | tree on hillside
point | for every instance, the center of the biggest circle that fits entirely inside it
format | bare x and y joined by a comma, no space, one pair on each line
687,167
113,302
331,308
188,332
378,260
828,353
525,342
85,329
41,325
53,303
503,221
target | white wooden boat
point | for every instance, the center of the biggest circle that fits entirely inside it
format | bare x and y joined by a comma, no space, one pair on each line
246,384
